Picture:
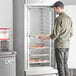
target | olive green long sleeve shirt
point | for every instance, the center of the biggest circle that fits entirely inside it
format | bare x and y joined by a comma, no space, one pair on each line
62,31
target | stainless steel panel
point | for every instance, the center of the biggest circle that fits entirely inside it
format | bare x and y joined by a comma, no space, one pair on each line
7,64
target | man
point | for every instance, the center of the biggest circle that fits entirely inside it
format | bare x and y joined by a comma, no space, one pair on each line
61,35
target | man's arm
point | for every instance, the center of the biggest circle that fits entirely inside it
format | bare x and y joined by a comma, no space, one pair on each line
55,33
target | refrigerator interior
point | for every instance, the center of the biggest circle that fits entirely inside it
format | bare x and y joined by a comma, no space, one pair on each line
40,22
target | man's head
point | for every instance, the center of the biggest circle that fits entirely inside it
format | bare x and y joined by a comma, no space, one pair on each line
58,7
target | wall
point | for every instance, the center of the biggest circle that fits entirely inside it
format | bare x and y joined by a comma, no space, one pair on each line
18,28
69,1
6,18
72,55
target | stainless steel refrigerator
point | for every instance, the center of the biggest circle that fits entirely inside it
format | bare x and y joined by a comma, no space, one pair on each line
7,63
39,54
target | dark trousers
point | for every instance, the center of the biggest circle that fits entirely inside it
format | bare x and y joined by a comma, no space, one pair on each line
61,55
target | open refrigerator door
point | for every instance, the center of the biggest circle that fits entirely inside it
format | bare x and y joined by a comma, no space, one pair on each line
39,21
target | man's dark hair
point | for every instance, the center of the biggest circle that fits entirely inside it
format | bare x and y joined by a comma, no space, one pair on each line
58,4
